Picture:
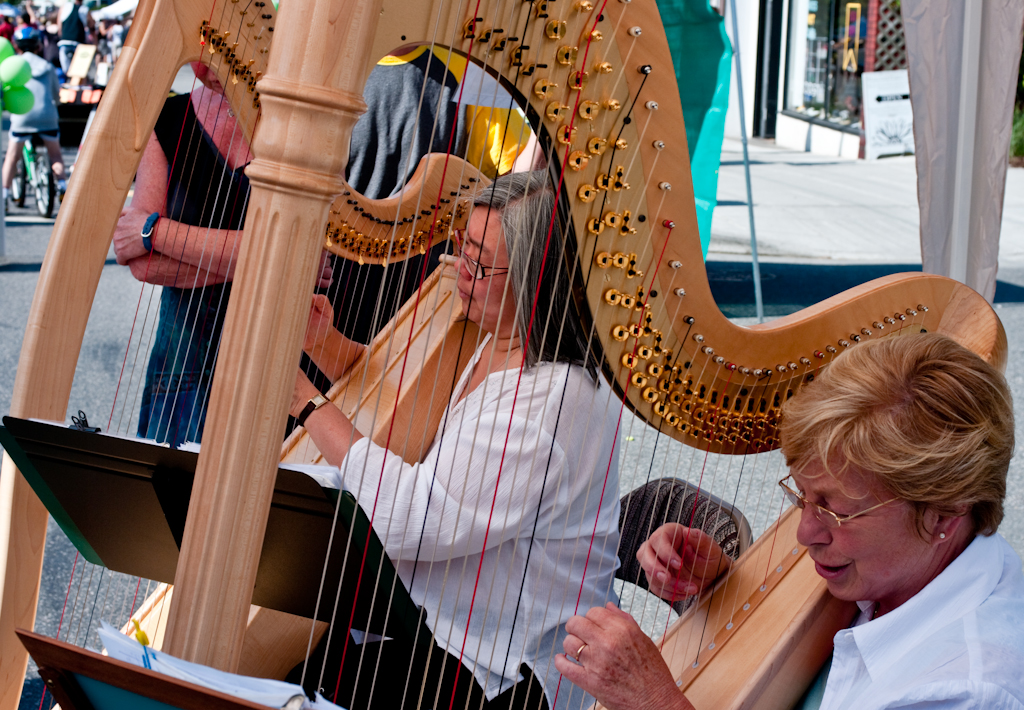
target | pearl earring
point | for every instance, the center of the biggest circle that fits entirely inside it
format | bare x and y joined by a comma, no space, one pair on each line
942,536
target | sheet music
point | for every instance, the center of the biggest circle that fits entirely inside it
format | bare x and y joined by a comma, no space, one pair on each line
272,693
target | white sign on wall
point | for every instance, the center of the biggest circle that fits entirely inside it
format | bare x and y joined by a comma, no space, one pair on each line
888,119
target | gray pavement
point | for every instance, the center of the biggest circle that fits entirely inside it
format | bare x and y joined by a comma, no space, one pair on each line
821,223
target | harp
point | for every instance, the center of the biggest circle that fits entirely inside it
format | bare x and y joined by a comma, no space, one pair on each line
581,69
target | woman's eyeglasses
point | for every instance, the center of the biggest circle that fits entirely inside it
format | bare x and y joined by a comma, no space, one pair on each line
475,268
825,516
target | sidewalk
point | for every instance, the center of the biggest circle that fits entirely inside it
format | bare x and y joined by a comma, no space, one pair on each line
808,207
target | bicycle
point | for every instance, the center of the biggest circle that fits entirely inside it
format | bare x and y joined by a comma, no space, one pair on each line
33,168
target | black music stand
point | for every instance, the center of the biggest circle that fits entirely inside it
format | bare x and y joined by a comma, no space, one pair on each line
123,504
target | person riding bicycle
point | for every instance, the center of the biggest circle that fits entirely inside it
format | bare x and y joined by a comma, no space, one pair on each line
42,120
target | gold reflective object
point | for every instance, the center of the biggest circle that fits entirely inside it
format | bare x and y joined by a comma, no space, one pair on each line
578,80
578,160
542,87
566,55
555,29
588,110
566,134
555,110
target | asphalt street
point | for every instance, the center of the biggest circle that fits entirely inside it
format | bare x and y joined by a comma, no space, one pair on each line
823,225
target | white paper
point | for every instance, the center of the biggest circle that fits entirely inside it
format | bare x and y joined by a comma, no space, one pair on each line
888,117
272,693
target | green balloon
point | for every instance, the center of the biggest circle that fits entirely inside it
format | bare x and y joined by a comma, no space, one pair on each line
15,71
18,99
6,50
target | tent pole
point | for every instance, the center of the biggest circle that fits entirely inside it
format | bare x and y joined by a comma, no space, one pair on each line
746,163
960,238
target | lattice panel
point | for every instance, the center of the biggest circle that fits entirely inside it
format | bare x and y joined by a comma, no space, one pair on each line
891,47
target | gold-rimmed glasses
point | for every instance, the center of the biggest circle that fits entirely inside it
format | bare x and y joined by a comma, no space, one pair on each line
828,518
475,268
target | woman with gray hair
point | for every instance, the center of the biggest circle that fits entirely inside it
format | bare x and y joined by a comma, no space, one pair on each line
505,526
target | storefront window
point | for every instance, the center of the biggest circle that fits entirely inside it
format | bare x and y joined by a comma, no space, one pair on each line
826,59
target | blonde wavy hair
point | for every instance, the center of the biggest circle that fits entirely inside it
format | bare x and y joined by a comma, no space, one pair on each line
929,418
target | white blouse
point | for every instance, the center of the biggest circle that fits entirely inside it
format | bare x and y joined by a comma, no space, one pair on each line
958,644
519,480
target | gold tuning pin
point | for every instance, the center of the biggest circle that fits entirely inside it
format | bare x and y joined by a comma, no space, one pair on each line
578,160
612,219
604,68
566,56
555,29
597,145
578,80
555,110
613,104
588,110
596,35
541,88
618,181
579,6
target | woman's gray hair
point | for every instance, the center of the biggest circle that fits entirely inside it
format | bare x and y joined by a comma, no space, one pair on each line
536,244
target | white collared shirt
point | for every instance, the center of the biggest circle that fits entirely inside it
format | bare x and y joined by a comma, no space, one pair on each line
957,644
558,489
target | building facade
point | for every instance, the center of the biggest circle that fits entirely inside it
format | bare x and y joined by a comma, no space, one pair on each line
802,64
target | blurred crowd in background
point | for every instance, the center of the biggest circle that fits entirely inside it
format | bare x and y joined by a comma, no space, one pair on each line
67,25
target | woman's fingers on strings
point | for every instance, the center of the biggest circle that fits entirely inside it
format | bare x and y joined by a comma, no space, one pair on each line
701,549
326,270
608,655
321,319
680,561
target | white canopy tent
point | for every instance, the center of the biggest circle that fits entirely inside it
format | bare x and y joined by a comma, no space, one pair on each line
963,62
115,10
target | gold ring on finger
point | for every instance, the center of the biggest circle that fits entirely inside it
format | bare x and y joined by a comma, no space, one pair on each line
579,652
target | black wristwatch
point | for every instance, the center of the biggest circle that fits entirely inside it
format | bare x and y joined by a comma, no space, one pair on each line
147,231
311,406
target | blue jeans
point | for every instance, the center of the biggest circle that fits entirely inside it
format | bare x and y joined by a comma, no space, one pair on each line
180,371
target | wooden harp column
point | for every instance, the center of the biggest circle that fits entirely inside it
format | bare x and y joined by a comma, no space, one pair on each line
312,96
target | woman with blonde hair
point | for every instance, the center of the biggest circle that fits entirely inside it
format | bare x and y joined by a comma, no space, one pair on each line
898,456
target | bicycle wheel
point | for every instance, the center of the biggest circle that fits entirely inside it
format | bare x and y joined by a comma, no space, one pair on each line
45,184
19,184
